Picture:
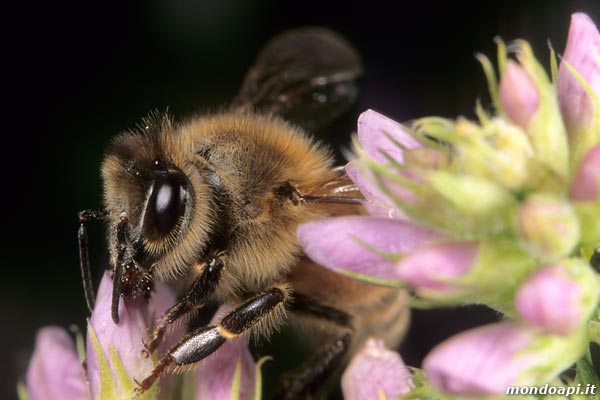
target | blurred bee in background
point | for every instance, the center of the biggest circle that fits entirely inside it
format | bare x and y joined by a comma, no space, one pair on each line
211,206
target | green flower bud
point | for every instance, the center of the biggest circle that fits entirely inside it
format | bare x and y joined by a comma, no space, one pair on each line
548,227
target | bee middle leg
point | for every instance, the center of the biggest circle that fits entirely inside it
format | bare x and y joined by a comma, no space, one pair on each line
195,298
202,342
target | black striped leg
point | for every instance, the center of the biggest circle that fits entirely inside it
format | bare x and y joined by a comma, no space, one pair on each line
204,341
86,216
202,289
122,245
307,381
310,379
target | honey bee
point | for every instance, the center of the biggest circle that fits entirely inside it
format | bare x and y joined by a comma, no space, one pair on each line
211,205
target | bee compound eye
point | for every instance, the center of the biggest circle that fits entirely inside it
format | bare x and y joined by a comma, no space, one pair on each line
166,204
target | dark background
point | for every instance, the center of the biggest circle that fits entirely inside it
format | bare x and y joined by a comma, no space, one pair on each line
78,73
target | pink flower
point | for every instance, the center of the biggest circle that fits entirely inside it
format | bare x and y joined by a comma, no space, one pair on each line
583,54
109,348
379,136
584,187
374,371
486,360
434,267
398,251
115,359
382,139
480,361
55,371
518,95
376,202
465,212
343,243
126,339
558,298
369,245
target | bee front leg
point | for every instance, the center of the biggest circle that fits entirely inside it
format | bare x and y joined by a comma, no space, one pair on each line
122,245
262,310
195,298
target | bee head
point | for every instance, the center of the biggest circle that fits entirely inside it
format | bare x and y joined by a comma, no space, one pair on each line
155,183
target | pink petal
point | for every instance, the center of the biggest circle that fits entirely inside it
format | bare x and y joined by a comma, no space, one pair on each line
214,376
161,300
374,132
584,186
377,203
518,95
373,370
127,337
582,53
339,243
481,361
431,267
55,371
551,300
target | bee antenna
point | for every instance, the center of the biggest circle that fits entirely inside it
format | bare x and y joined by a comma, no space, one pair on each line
86,216
119,265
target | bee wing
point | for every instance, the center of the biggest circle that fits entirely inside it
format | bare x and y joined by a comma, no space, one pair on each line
306,75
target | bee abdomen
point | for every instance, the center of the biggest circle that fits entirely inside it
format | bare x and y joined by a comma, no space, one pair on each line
385,317
377,311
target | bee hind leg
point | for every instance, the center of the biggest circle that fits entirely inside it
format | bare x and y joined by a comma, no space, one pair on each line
310,378
202,342
195,298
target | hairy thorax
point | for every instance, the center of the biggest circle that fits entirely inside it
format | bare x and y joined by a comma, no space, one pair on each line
241,170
